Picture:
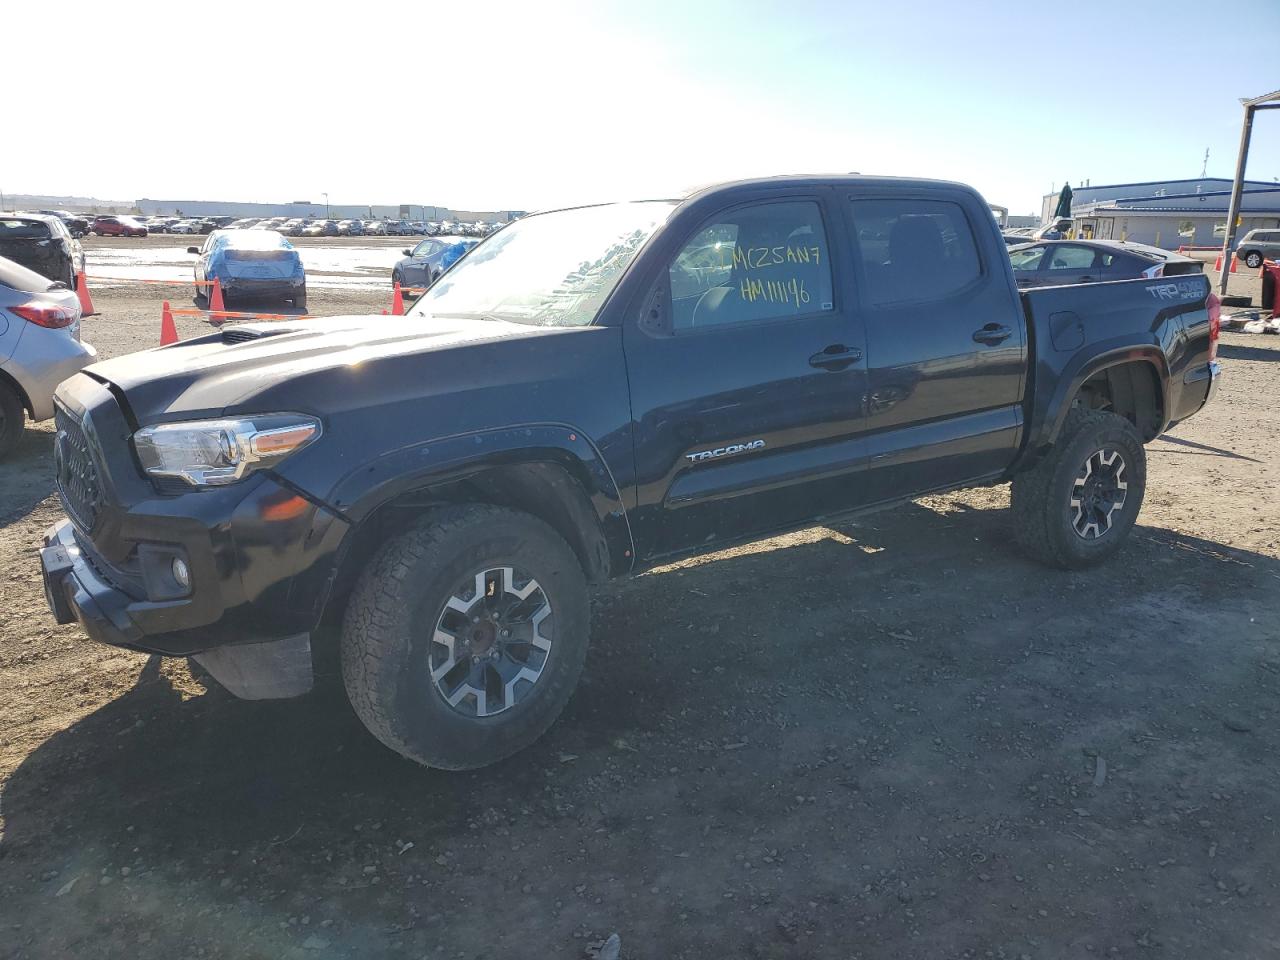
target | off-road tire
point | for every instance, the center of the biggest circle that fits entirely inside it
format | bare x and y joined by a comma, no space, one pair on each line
393,612
12,419
1041,499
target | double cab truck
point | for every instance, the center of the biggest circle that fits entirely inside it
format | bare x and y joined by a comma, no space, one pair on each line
587,394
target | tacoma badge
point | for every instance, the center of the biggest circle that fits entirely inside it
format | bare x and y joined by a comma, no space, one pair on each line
725,451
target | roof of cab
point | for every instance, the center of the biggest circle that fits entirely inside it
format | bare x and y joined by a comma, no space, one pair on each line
819,180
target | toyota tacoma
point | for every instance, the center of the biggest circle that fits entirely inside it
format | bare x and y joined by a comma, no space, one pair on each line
589,393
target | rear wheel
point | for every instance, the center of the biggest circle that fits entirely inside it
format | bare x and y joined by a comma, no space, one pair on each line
12,419
1253,259
1077,505
300,300
465,636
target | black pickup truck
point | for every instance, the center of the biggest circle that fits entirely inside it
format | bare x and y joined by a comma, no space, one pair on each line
589,392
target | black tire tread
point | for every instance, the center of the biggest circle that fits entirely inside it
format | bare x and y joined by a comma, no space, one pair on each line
14,421
369,642
1032,512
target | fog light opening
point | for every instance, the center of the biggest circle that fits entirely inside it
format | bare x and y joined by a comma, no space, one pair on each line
181,574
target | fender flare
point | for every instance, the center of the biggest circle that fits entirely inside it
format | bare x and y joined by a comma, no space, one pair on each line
1075,376
455,457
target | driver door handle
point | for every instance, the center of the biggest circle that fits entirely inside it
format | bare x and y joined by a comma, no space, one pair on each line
836,357
992,334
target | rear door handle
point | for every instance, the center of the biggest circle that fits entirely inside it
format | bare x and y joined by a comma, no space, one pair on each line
836,357
992,334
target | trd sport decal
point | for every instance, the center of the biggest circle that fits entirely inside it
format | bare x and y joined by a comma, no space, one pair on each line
726,451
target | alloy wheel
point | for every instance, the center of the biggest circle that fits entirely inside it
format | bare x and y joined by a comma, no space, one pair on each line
491,642
1098,494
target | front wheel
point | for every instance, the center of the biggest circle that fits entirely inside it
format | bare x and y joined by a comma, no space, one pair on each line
1077,505
1253,259
465,636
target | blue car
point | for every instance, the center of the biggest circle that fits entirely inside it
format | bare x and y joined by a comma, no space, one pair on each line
423,264
252,263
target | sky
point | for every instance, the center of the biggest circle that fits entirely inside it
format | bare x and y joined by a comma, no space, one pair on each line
494,105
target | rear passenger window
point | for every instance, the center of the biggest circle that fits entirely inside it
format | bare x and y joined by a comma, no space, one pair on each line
762,262
914,250
1071,258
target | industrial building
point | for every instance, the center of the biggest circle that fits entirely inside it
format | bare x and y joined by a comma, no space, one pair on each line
1168,213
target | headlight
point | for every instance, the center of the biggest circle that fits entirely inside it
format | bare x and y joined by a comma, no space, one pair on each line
208,453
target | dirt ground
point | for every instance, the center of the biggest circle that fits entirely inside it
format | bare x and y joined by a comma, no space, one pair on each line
888,738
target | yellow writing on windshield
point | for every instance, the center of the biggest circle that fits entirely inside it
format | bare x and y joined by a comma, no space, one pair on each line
774,291
761,258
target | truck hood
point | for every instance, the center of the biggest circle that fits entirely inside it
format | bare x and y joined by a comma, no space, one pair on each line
230,370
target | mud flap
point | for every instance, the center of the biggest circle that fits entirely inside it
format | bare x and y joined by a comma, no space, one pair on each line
262,671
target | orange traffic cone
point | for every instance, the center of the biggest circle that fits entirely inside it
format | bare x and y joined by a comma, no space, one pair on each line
1217,264
216,305
397,301
168,332
86,301
1235,264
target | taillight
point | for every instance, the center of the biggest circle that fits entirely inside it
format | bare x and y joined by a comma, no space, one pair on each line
46,315
1214,305
1152,272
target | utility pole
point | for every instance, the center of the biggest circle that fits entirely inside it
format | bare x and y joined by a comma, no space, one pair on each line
326,205
1270,101
1204,170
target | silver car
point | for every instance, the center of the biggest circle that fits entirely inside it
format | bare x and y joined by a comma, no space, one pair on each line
1258,245
39,347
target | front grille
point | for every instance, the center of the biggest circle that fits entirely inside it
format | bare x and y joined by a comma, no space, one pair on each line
75,472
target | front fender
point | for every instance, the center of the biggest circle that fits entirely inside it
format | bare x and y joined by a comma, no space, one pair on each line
445,459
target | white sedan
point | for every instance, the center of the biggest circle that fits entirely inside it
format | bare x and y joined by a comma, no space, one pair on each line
185,226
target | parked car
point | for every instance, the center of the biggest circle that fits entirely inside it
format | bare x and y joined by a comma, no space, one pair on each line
40,347
1055,229
184,226
557,410
41,242
242,224
313,229
1258,245
76,225
375,228
118,227
422,265
252,263
1054,262
293,227
350,228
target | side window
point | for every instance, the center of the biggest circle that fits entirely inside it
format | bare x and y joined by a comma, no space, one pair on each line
1068,257
762,262
1027,260
424,249
914,250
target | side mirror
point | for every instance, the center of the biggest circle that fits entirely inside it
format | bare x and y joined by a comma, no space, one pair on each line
408,252
195,250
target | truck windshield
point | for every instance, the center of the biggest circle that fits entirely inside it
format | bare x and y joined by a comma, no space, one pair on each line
549,270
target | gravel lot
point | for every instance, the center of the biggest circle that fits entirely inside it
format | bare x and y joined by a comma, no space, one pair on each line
887,738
